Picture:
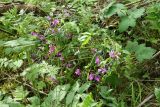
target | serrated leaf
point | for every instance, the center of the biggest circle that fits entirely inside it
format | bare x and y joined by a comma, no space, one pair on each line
132,46
20,93
143,52
137,13
125,23
113,9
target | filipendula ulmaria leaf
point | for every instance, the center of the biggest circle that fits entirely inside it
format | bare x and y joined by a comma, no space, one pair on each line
71,94
113,9
132,46
137,13
125,22
143,52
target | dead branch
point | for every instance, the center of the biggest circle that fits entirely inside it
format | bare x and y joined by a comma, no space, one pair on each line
4,7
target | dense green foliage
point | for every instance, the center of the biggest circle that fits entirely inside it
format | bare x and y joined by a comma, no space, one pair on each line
85,53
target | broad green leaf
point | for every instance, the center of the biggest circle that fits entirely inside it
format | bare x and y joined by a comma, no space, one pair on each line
144,52
19,93
3,105
76,100
88,102
105,92
56,96
113,9
137,13
125,23
15,104
84,87
132,46
36,70
141,51
34,101
71,94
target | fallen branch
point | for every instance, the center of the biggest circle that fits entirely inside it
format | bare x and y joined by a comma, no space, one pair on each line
27,85
4,7
146,100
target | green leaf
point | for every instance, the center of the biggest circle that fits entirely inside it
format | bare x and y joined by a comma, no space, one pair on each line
141,51
88,102
157,94
125,23
132,46
34,101
36,70
19,93
55,96
144,52
113,9
3,105
137,13
84,87
76,100
105,92
71,94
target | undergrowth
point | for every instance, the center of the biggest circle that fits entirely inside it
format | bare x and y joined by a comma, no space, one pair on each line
84,53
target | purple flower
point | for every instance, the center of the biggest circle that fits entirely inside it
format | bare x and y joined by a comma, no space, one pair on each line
91,76
102,70
41,37
78,72
55,22
114,54
97,78
34,33
59,54
48,18
51,49
97,60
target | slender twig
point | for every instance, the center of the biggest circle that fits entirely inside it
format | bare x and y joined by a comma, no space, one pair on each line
148,80
25,84
146,100
155,55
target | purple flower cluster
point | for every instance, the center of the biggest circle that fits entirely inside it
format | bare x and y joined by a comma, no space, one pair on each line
102,70
55,22
41,37
114,55
94,77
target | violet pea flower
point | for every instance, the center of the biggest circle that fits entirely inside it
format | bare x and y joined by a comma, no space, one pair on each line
78,72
